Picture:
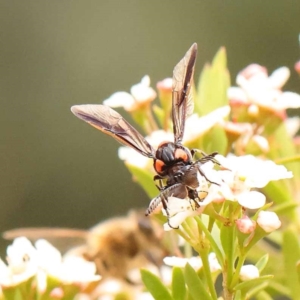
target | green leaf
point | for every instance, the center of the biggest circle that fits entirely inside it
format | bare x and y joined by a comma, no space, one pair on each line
285,208
178,284
228,242
253,283
195,286
285,148
291,253
257,289
213,84
262,262
263,295
12,293
155,286
144,178
215,140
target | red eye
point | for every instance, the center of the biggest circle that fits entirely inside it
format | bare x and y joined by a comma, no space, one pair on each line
181,154
159,165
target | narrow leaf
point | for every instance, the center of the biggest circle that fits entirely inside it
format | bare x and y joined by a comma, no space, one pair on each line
253,283
262,262
213,84
195,286
178,284
291,253
155,286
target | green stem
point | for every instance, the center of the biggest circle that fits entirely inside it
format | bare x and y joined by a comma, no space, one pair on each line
213,243
236,274
183,235
285,160
206,269
192,234
230,256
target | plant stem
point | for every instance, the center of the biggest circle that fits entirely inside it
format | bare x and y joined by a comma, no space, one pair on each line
236,274
206,269
213,243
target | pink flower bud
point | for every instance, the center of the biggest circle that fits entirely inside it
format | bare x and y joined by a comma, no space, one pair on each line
253,70
297,67
268,221
245,225
165,85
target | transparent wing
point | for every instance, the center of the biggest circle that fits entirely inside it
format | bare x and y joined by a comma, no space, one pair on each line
182,102
112,123
62,238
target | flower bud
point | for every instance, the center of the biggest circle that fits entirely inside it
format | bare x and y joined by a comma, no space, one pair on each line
297,67
245,225
268,221
249,272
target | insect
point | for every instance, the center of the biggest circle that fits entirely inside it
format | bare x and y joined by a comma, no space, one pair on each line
116,245
172,161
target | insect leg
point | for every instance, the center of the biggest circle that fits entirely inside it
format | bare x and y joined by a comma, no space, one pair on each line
160,185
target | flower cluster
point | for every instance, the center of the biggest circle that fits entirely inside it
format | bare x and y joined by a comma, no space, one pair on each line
40,270
235,192
224,216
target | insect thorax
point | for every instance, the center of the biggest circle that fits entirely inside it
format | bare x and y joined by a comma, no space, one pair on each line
171,157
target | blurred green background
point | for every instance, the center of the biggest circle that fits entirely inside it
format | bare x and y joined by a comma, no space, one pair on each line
55,169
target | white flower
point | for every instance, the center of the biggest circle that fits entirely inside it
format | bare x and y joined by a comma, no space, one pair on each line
213,262
194,261
268,221
133,158
141,93
258,88
249,272
252,172
178,210
22,263
174,261
196,126
68,269
246,172
158,136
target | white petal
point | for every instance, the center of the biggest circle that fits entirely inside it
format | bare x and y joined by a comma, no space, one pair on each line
213,262
133,158
236,94
251,200
120,99
142,92
49,257
288,100
157,136
145,80
176,205
261,142
177,219
292,125
174,261
196,126
279,77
